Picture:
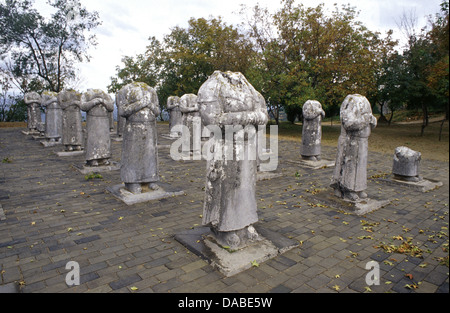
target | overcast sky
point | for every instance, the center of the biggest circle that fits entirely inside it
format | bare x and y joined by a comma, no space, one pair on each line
127,25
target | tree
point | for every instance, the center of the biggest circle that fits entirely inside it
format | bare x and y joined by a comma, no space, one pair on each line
184,59
41,53
314,55
194,53
391,83
145,68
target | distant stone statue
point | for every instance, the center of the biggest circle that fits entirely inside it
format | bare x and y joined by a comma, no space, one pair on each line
191,113
120,119
138,103
97,104
176,117
53,116
111,121
407,164
350,174
33,102
312,130
72,130
230,207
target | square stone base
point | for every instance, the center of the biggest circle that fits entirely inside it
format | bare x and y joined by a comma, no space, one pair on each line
117,138
229,263
69,153
424,185
327,197
38,137
129,198
314,164
47,143
84,169
30,132
168,136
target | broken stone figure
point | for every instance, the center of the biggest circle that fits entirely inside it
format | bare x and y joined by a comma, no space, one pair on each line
312,131
111,121
191,112
138,103
33,102
120,119
97,104
72,130
407,164
350,174
230,207
53,116
176,117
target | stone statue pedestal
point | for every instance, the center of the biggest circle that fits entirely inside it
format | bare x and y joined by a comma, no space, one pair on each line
84,169
69,153
129,198
361,207
49,143
38,137
424,185
315,165
201,242
30,132
170,136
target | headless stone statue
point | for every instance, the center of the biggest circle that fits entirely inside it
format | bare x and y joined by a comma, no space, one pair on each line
230,207
176,117
72,130
33,102
312,130
350,174
97,104
138,103
191,113
53,116
111,121
407,164
120,119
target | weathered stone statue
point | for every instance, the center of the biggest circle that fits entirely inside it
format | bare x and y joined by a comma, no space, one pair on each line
138,103
97,104
33,102
312,130
230,207
407,164
72,130
350,174
111,121
53,116
120,120
176,117
191,115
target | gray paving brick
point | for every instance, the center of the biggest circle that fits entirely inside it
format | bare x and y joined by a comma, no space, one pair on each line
119,246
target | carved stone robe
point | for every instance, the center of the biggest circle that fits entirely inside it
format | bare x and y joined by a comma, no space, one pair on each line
230,193
97,104
138,103
350,172
72,133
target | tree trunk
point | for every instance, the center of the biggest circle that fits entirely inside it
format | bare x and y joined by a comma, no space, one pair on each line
425,118
390,119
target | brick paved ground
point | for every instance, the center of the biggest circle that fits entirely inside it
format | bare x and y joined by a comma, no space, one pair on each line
54,215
